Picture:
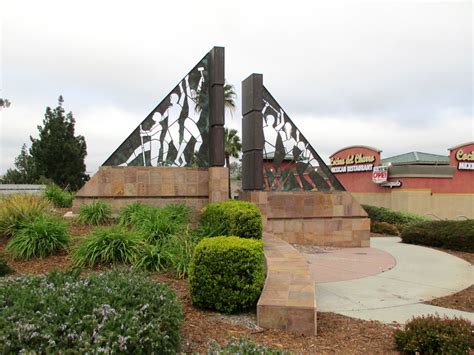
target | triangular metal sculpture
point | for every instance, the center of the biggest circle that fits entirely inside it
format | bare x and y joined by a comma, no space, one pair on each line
177,131
277,156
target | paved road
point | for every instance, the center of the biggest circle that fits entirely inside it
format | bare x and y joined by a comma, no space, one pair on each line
420,274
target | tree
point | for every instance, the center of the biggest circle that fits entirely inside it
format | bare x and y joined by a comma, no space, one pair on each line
58,153
4,103
232,145
25,172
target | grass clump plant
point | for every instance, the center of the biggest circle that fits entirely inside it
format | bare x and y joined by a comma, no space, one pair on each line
58,197
435,335
96,213
108,245
127,213
18,208
39,236
227,273
110,312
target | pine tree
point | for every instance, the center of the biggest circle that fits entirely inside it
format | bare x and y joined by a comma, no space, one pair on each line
59,154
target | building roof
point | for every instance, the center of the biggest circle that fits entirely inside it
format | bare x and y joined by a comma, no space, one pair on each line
461,145
417,158
357,146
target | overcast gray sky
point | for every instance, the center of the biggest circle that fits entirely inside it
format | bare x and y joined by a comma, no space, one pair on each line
396,75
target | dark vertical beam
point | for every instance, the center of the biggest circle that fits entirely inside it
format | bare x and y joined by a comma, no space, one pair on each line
216,107
252,133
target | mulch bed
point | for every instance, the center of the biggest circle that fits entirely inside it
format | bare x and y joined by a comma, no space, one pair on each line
336,333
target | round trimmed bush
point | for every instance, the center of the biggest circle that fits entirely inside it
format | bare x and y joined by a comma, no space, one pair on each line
110,245
40,236
109,312
238,218
227,273
436,335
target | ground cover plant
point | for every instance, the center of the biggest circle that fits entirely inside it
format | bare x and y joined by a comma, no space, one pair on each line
436,335
58,197
237,218
39,236
399,219
96,213
227,273
108,245
454,235
110,312
17,208
243,346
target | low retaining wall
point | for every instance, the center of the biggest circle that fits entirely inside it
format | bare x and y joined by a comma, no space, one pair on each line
321,218
156,186
288,299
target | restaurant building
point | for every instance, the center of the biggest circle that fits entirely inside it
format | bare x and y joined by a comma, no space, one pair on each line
437,186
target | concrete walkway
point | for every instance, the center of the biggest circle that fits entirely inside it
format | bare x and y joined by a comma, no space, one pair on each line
420,274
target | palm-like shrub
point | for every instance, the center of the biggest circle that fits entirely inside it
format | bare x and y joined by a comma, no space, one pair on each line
96,213
58,197
38,237
109,245
18,208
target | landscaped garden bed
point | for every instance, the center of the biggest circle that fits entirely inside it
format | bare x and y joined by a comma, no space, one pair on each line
200,328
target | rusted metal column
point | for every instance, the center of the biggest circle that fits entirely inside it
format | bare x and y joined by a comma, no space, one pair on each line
252,133
216,107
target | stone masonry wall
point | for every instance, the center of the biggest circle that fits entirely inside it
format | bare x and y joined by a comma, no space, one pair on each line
320,218
156,186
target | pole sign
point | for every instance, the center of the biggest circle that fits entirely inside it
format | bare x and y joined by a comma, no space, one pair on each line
380,174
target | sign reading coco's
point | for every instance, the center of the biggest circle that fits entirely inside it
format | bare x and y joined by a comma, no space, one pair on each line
465,160
352,163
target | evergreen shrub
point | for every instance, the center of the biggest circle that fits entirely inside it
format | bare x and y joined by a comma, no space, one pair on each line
435,335
454,235
227,273
237,218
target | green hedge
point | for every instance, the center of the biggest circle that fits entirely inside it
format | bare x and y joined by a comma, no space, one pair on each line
238,218
383,228
436,335
454,235
227,273
400,219
64,313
